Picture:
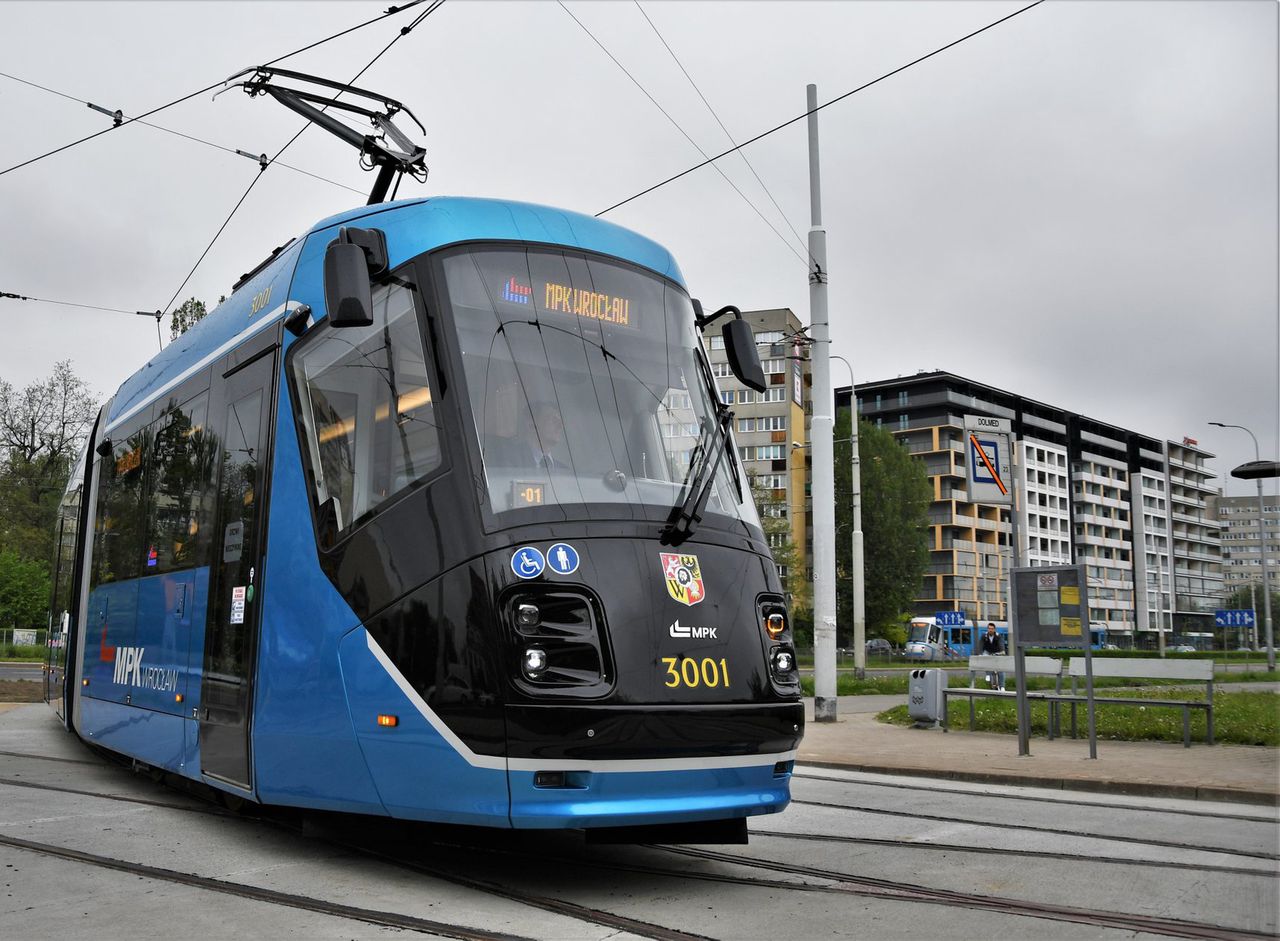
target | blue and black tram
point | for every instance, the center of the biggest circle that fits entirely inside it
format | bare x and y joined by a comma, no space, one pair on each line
437,517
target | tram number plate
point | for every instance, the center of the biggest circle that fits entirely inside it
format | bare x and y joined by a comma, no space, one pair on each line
694,673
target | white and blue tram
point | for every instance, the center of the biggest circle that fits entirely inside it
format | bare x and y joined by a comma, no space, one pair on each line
437,516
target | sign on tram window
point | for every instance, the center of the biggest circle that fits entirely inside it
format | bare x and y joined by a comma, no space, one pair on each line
528,493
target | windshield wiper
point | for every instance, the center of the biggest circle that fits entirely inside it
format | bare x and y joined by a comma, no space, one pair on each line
686,515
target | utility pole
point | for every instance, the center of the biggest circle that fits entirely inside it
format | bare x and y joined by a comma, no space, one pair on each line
855,553
823,448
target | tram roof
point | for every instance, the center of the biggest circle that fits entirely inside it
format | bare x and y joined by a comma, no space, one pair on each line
413,226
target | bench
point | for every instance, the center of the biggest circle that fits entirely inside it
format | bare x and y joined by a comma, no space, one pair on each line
1003,663
1194,671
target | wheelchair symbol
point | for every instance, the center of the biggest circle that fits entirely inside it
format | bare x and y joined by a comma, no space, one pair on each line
527,562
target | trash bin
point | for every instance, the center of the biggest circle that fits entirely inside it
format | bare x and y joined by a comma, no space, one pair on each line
924,695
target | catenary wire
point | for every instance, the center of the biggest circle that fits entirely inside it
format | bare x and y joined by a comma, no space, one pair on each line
391,11
801,117
686,136
741,153
45,300
404,31
185,136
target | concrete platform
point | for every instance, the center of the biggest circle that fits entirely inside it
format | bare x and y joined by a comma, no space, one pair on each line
856,741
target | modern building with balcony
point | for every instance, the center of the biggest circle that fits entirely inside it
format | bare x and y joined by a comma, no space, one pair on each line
1127,505
771,427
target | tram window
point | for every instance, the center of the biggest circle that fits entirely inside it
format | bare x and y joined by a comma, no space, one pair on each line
122,510
181,464
583,377
367,411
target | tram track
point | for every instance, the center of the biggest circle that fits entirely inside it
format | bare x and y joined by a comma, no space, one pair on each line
828,881
259,894
1002,796
1075,834
884,888
1031,854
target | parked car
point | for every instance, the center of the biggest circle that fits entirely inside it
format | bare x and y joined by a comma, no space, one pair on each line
879,647
1184,648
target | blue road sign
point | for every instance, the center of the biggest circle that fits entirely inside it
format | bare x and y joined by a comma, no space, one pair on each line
949,619
1242,617
527,562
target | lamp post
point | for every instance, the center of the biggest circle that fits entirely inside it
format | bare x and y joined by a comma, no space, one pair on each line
855,559
1262,532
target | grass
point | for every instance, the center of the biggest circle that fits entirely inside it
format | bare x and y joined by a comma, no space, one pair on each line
847,685
1246,718
22,652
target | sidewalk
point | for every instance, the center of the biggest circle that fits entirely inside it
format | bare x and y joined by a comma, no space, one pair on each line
856,741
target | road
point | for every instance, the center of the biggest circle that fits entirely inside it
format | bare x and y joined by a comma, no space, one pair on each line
91,850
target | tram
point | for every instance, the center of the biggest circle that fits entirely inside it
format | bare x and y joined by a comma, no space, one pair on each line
438,516
928,640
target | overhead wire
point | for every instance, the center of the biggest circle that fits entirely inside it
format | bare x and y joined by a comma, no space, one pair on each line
45,300
712,160
391,11
727,134
404,31
185,136
685,134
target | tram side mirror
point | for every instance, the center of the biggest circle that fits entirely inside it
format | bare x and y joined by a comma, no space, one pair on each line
351,261
744,360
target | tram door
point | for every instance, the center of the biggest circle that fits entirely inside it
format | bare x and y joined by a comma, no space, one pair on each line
243,427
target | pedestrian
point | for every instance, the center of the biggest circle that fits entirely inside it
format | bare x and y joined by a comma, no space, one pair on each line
991,644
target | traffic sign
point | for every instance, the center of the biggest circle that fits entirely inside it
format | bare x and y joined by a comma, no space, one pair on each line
949,619
1238,617
989,462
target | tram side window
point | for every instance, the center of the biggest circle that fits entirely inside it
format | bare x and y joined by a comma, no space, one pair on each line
366,407
122,511
181,481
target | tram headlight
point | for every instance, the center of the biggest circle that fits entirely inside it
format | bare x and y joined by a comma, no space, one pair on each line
528,615
784,662
534,662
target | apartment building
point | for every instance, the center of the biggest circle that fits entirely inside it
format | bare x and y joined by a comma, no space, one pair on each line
1241,537
1129,506
771,427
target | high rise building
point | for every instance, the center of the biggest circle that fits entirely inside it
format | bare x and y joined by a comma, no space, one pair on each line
1129,506
1237,519
771,427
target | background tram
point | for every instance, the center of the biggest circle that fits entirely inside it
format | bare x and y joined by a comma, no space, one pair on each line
438,516
927,640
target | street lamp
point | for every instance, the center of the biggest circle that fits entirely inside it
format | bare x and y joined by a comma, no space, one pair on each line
1258,471
856,558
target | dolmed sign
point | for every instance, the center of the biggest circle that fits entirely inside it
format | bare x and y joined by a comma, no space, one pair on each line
683,576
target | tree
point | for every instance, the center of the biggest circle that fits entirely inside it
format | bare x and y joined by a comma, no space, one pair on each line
42,428
185,316
895,507
24,591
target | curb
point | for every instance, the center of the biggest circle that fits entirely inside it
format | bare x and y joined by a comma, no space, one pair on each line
1131,788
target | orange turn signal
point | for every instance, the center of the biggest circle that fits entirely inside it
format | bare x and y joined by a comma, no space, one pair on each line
85,681
178,697
775,624
389,721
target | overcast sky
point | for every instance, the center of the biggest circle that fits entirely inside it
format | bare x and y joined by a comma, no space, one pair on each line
1078,205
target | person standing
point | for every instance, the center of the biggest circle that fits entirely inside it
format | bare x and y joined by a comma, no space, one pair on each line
992,644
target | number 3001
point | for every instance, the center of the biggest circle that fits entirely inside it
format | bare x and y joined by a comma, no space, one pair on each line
695,673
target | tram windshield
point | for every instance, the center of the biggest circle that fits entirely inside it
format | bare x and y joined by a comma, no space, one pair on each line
922,633
586,385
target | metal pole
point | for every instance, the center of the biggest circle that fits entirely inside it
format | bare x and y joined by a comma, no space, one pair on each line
856,560
1253,606
1262,549
1015,640
823,450
1159,601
